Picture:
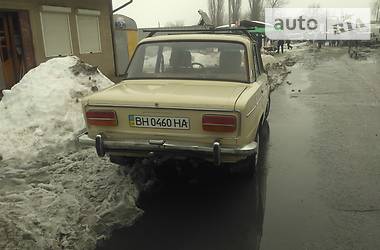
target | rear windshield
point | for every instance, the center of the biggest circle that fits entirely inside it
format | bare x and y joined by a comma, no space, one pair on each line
190,60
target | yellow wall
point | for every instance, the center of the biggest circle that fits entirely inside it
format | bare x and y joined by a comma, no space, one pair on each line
105,59
132,42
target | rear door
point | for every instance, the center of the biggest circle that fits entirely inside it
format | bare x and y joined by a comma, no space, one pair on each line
253,101
261,78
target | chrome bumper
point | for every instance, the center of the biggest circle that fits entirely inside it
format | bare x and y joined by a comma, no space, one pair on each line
103,146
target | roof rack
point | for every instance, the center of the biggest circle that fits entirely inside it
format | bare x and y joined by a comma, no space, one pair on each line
205,30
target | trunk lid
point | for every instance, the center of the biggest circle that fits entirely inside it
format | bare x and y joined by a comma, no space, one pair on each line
171,94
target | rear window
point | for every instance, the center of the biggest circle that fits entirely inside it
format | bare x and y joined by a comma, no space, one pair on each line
190,60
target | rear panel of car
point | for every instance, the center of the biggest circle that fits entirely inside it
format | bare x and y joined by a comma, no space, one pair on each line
195,132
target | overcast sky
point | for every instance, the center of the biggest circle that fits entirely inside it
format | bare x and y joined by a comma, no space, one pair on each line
148,13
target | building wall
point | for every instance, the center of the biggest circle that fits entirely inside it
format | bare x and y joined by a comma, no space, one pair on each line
2,82
105,59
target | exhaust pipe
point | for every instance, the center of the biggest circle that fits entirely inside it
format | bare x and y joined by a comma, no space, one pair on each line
217,153
99,145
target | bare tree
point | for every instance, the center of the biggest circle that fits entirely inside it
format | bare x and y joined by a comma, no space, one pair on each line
216,11
235,9
255,9
376,10
276,3
315,6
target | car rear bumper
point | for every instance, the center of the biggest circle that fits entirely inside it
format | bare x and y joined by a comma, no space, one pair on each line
216,150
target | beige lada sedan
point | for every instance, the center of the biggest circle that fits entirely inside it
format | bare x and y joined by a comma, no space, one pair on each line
199,97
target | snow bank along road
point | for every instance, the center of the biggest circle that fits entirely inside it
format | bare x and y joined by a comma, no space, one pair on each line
53,193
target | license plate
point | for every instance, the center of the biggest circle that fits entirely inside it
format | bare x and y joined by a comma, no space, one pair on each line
159,122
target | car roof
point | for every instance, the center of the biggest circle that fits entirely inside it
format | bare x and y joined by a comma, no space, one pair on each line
202,37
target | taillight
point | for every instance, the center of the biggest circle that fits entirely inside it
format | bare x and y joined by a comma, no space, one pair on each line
219,123
101,118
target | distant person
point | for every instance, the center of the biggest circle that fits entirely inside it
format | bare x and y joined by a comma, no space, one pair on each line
259,41
320,44
280,44
351,44
349,47
273,44
288,44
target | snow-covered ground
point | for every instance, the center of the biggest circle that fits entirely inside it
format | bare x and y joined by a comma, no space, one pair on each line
54,194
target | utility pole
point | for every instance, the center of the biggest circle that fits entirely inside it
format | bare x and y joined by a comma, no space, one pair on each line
229,13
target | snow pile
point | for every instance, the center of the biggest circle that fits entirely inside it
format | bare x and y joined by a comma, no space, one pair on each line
43,109
65,201
268,60
50,200
300,45
277,68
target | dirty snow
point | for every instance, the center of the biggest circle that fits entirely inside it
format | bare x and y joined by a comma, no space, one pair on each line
278,68
54,194
64,201
268,60
43,109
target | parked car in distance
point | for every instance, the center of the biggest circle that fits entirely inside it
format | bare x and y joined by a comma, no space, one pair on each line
199,96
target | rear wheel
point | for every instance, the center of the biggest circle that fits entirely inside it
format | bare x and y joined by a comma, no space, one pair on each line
267,110
247,167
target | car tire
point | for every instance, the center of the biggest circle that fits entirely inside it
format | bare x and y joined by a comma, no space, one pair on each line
267,110
247,167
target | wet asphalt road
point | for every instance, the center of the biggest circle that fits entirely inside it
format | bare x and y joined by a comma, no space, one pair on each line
318,186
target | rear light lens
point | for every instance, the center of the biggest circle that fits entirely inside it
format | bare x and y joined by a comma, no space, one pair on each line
219,123
103,118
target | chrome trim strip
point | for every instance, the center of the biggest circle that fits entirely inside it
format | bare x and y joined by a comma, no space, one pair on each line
154,107
157,142
254,108
250,112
